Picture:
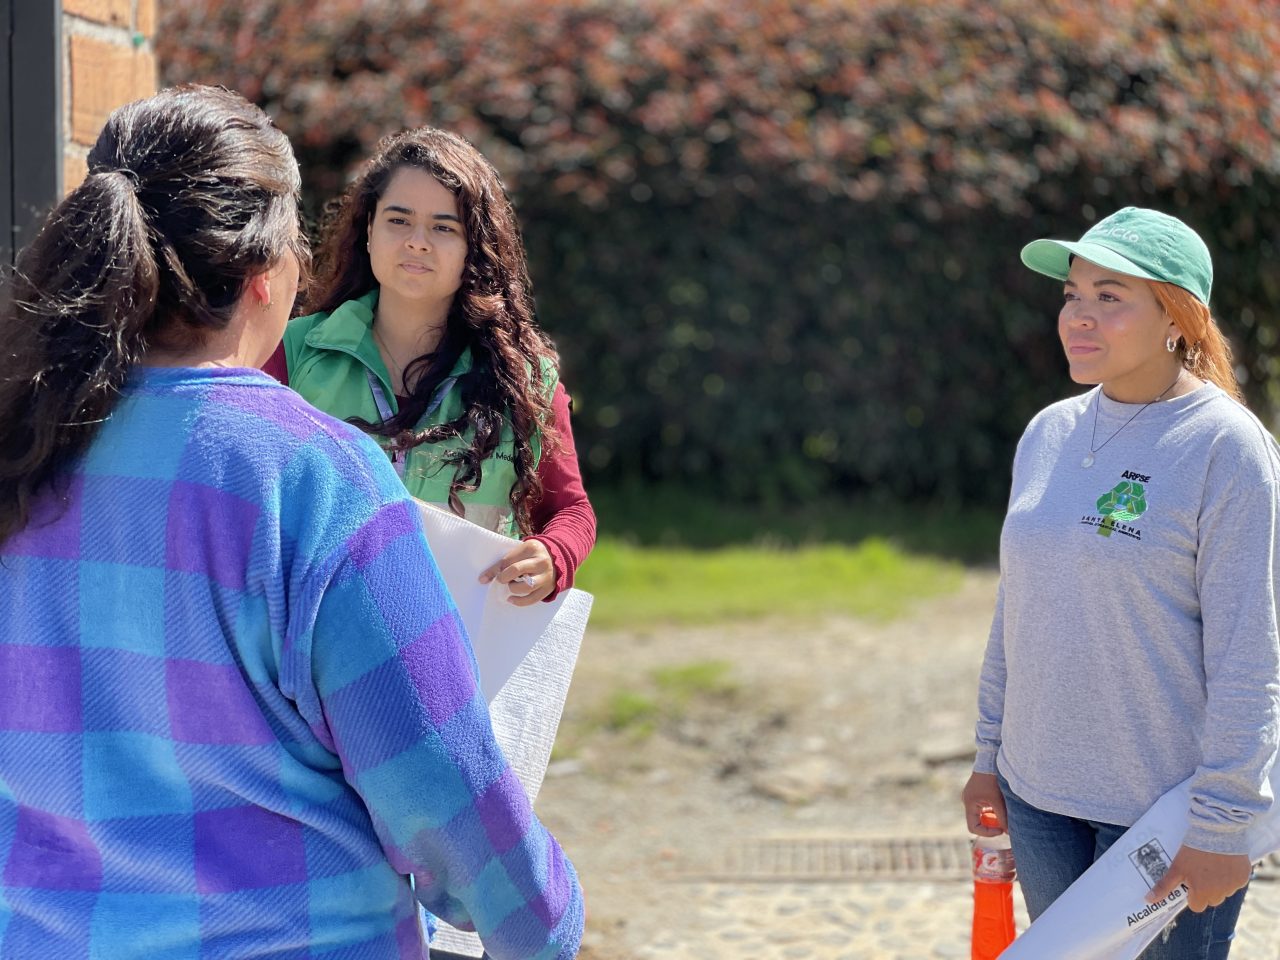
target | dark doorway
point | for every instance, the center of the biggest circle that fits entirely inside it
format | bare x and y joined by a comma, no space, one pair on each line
30,118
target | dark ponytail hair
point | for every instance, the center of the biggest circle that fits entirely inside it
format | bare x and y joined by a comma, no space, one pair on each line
189,194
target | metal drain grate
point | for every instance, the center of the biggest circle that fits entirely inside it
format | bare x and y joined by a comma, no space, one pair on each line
852,858
856,859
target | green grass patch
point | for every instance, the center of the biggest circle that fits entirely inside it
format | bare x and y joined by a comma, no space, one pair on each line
703,678
630,710
664,695
666,516
673,556
638,586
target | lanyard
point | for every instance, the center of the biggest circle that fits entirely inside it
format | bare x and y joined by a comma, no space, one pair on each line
384,409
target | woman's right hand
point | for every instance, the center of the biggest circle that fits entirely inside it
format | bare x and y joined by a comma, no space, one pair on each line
982,792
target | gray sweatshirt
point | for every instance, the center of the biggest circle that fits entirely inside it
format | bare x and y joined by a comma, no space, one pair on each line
1135,634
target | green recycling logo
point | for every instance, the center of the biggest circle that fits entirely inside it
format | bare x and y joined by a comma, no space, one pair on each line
1126,501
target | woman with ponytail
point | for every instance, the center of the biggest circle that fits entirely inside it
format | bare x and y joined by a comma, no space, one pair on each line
423,333
232,723
1135,639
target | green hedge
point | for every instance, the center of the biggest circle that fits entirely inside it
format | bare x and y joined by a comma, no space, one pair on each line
776,242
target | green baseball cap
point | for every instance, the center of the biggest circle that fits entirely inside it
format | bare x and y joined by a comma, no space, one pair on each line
1136,242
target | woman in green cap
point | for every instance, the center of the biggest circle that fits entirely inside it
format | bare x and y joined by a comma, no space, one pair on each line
1134,642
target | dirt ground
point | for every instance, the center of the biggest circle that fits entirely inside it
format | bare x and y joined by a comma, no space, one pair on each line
826,729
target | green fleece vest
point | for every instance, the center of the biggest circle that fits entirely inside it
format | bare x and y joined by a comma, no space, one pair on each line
330,357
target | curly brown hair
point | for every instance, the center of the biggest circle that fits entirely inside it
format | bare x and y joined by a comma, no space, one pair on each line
189,193
492,313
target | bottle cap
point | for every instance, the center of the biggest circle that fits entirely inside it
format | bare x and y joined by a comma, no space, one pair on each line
988,819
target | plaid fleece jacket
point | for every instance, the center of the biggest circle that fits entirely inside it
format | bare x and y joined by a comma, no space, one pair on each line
238,710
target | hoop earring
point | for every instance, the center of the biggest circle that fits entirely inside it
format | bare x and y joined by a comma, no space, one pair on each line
1170,344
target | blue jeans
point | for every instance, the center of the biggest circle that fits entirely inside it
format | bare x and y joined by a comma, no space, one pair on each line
1052,850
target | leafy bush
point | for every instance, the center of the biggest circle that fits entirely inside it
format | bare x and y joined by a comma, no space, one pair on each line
776,241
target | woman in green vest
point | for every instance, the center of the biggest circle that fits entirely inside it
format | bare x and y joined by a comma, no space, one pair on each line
423,333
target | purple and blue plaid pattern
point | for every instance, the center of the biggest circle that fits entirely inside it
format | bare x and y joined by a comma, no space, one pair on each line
238,709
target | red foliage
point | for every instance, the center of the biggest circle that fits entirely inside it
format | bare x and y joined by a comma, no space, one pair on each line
777,239
970,102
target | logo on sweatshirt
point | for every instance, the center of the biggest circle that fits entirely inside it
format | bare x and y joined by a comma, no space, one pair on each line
1121,505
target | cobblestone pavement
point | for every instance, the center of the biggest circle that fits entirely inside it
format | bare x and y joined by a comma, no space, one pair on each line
751,827
882,920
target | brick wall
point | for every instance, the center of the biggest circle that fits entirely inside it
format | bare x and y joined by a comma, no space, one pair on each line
107,60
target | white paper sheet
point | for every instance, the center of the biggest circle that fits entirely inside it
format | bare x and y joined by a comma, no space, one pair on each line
1104,914
526,657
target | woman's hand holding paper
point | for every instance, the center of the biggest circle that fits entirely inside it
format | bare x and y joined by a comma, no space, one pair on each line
527,571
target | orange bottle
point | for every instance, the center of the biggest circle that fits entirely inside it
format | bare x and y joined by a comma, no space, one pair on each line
993,874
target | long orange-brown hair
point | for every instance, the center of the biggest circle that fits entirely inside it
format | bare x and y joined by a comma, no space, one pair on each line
1204,350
